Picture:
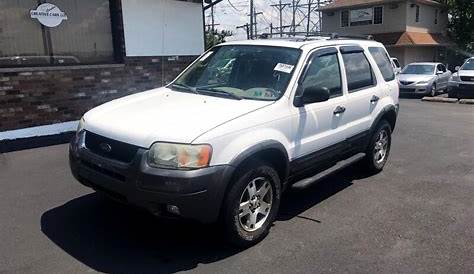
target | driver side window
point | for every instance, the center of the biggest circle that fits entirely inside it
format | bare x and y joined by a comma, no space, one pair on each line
324,72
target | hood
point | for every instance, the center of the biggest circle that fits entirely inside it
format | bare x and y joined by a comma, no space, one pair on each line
466,73
164,115
415,77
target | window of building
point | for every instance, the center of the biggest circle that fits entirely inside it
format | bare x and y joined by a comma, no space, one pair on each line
436,17
383,62
417,15
378,15
344,18
358,71
85,37
324,71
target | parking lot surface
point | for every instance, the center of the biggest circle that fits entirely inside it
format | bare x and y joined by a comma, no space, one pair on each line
417,216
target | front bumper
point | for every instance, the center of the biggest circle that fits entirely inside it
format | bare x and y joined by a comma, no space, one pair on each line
197,193
414,89
461,89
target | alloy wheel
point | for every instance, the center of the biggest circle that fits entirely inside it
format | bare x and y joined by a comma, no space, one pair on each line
381,147
255,204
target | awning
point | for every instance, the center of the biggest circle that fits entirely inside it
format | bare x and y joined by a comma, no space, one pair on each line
412,39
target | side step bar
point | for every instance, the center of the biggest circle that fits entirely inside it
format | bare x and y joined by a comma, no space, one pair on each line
340,165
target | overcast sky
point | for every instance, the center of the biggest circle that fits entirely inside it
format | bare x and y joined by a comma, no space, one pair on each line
232,13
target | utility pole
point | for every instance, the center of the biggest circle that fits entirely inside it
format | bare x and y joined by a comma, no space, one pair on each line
309,17
251,18
212,19
246,26
280,7
293,18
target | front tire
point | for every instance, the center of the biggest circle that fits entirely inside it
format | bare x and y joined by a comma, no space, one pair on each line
433,91
252,204
379,148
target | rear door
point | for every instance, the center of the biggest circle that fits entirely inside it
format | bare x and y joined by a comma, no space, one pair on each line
363,90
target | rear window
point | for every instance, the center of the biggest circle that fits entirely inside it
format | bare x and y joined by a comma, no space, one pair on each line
383,62
358,71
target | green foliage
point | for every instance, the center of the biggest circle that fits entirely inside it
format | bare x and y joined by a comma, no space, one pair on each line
216,37
461,22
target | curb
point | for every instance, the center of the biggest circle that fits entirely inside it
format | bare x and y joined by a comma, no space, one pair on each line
35,142
439,99
467,101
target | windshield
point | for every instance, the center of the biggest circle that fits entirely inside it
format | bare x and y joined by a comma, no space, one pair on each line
469,65
240,71
419,69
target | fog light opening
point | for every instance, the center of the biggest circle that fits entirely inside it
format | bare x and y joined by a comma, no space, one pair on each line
173,209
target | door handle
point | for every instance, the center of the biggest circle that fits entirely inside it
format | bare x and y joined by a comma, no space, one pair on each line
374,99
339,110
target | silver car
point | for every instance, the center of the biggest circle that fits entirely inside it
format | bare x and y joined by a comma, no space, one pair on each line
461,84
424,78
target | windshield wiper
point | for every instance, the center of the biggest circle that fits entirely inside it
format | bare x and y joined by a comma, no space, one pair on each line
222,92
185,87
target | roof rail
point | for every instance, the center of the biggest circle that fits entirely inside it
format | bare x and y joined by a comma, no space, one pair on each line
315,35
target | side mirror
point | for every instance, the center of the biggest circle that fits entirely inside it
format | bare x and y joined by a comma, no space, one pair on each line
457,68
312,95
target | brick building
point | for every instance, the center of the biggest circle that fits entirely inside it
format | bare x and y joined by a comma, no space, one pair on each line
412,30
60,58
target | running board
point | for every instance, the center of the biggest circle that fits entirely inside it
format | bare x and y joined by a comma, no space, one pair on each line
323,174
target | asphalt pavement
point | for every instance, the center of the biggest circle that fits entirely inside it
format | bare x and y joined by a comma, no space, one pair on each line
417,216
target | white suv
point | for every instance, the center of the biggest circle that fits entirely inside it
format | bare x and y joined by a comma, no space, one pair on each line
239,125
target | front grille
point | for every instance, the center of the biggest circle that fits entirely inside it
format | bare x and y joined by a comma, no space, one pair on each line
406,90
467,78
406,82
104,171
110,148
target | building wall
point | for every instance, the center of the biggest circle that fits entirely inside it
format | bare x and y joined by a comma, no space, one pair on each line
397,52
419,54
42,96
400,19
427,19
35,96
162,27
393,21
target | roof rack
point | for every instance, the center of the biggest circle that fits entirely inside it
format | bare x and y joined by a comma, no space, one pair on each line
314,35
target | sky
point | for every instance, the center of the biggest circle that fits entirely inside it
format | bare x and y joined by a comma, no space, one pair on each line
231,13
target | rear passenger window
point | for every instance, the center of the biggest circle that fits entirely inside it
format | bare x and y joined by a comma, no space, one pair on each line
324,71
358,71
383,62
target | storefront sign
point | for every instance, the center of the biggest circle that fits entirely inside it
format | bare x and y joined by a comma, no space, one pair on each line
361,15
48,15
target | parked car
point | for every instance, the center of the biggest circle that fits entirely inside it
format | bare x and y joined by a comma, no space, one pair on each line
424,78
238,126
396,65
461,84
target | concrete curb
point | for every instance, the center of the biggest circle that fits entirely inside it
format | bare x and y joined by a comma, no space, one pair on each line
439,99
467,101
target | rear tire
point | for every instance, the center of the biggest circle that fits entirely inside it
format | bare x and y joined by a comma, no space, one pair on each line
379,148
252,204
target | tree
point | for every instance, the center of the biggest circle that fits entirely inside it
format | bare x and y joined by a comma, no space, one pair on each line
216,37
461,22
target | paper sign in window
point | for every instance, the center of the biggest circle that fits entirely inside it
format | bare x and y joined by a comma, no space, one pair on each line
284,68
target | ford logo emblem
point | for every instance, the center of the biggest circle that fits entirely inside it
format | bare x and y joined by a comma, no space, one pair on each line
105,147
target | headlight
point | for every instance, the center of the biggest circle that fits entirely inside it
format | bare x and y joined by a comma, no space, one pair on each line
179,156
455,78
